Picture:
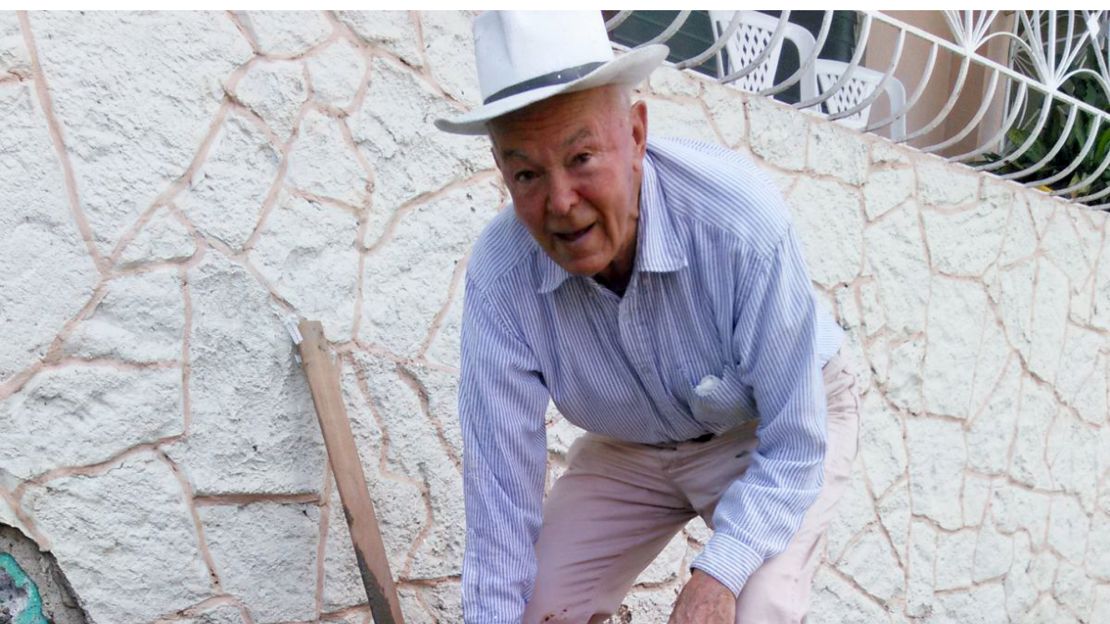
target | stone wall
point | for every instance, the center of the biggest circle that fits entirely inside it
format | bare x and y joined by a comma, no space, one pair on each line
173,185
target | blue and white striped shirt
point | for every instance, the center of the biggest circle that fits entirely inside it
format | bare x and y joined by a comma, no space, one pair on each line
719,287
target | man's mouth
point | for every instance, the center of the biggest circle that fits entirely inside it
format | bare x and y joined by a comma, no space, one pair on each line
570,237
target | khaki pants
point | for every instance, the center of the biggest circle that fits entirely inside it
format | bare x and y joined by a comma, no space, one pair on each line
619,504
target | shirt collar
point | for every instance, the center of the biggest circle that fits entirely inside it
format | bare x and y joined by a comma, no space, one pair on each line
657,246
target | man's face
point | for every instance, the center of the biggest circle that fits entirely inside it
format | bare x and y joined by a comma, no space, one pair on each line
573,166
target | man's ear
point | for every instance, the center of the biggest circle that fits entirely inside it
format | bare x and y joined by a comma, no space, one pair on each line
639,121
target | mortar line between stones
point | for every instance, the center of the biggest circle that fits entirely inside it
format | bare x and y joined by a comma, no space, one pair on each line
219,600
94,469
54,126
176,186
452,291
15,503
268,203
244,31
414,383
214,500
198,526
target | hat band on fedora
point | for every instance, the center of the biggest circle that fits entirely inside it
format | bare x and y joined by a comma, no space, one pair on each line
554,78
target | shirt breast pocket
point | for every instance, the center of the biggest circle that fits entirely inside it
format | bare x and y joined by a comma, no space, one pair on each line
722,401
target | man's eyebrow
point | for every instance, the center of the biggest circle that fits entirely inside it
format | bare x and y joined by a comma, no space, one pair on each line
584,133
581,134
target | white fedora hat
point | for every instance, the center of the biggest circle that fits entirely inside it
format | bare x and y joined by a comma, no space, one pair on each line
526,56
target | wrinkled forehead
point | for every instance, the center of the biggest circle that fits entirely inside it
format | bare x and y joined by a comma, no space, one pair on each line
563,117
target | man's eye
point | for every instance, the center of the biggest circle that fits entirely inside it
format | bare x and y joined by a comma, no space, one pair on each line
582,158
524,176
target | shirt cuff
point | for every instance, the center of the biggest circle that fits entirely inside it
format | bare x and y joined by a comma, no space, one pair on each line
728,560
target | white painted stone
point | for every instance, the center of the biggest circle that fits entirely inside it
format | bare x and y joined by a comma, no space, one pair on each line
886,189
1074,590
1014,508
994,554
127,145
225,195
407,280
1061,245
1043,569
965,242
837,151
1042,208
894,514
253,427
667,564
645,605
829,223
1081,379
1021,235
896,257
871,311
667,118
1013,292
991,362
884,152
940,183
1072,454
882,448
871,563
322,163
308,253
1027,464
904,380
777,133
8,517
698,531
275,90
976,495
125,540
286,33
400,509
955,555
444,347
394,31
937,461
1050,316
853,513
394,131
1048,611
444,599
561,433
669,81
991,433
1068,527
1100,305
835,601
983,604
449,45
441,390
919,575
140,319
415,451
336,73
1101,611
81,415
223,614
726,109
163,239
14,58
1021,593
957,312
1098,548
39,291
265,554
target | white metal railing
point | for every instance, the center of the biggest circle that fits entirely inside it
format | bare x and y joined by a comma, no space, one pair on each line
1024,95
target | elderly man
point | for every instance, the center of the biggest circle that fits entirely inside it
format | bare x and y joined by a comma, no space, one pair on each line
655,291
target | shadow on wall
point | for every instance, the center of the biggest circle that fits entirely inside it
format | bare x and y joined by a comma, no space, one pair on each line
32,588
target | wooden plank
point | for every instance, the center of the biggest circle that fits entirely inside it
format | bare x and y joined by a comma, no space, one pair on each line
358,509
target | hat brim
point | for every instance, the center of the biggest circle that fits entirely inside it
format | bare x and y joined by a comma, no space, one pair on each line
629,68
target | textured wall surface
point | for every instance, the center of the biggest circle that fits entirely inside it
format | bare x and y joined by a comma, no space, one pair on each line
173,185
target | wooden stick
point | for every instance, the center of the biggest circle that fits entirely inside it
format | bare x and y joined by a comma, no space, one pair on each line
358,509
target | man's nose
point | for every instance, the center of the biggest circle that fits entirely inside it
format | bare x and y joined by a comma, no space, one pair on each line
561,196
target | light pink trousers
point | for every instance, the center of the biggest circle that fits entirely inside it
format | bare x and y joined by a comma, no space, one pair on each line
619,504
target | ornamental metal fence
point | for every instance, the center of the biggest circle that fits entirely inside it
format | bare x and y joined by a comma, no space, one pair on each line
1024,95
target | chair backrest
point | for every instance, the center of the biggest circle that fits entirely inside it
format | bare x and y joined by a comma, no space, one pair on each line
860,84
750,40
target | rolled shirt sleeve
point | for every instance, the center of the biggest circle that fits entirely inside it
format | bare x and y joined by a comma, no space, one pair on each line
502,400
759,513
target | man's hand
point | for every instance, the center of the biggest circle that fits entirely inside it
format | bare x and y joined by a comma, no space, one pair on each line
704,600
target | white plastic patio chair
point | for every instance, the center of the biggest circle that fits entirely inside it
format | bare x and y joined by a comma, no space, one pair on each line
861,84
750,40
